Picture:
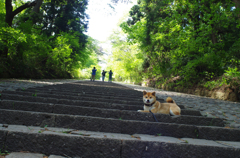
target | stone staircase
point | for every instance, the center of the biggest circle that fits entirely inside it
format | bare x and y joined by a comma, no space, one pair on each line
100,119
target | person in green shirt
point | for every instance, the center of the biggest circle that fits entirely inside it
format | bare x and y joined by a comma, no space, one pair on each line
110,76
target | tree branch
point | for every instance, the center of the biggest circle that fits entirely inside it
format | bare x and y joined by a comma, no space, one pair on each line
22,7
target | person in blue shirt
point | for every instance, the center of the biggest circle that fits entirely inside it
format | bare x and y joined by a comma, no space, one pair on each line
93,74
110,76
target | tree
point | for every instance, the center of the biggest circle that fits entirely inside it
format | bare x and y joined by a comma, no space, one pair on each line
36,49
9,16
182,37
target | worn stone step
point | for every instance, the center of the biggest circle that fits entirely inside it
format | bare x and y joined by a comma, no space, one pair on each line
108,113
25,154
77,143
67,94
98,87
85,103
91,89
79,97
117,126
87,85
99,94
80,94
33,96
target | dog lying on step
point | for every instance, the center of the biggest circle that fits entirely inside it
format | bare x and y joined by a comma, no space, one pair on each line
150,103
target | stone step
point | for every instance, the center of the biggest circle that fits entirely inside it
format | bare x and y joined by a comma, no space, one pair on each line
59,120
87,85
22,154
91,90
81,93
108,113
85,103
78,143
79,97
90,123
91,93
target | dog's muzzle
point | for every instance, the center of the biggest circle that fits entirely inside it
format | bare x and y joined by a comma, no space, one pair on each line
146,104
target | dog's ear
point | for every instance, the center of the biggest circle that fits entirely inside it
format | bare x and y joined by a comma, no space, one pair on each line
153,93
144,92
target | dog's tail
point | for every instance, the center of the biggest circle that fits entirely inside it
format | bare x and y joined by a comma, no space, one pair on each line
170,100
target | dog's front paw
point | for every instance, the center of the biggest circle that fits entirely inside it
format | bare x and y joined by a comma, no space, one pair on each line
139,111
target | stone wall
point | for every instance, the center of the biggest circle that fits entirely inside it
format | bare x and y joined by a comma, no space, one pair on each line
222,93
217,93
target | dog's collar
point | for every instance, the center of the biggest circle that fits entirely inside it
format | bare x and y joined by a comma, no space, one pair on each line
150,104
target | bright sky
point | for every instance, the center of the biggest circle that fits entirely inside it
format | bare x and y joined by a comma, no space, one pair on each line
103,19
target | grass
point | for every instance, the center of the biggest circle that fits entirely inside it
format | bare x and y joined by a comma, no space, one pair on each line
196,132
211,123
66,132
3,152
34,94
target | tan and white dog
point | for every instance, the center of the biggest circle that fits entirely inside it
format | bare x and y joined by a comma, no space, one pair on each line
151,103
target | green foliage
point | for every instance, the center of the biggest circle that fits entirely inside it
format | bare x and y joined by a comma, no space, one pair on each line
3,152
196,40
60,56
135,14
34,94
126,60
50,44
230,78
213,84
2,9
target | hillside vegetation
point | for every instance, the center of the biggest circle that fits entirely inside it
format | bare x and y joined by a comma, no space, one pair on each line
185,43
46,39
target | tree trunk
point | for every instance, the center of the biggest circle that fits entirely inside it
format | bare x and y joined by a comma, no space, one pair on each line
9,15
214,38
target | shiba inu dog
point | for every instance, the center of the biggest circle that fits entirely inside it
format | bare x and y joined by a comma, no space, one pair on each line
150,103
